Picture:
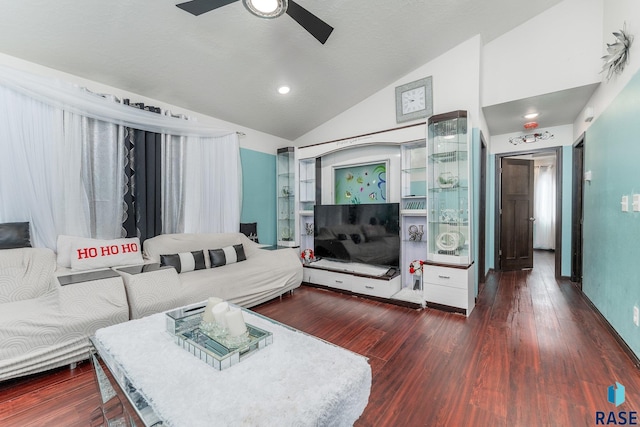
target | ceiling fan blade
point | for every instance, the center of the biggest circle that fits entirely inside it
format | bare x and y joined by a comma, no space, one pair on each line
314,25
198,7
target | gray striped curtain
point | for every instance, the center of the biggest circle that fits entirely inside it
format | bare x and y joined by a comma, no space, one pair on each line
143,166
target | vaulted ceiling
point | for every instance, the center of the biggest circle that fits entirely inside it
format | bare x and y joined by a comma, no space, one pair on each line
228,63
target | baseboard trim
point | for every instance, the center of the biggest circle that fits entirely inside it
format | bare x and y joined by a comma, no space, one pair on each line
446,308
621,342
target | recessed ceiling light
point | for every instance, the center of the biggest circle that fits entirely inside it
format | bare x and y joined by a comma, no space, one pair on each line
530,116
283,90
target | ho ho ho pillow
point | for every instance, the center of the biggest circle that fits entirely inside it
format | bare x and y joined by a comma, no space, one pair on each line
89,254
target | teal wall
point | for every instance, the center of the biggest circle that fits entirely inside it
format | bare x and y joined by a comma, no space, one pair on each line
611,272
259,193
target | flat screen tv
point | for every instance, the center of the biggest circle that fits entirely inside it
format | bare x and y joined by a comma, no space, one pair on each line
366,233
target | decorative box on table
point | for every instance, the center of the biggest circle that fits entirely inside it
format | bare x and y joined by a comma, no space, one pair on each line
184,325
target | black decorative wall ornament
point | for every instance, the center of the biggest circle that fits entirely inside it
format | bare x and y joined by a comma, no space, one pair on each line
617,53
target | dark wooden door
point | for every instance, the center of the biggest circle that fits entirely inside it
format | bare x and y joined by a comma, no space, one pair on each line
482,234
577,214
516,222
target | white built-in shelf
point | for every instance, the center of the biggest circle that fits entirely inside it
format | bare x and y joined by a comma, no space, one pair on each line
413,212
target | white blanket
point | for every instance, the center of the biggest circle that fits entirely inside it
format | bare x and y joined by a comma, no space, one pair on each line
298,380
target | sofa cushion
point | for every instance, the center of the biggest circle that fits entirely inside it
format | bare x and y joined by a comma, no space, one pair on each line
227,255
88,254
188,242
14,235
184,261
25,273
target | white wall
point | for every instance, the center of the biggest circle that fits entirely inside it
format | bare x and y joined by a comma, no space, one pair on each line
556,50
456,83
253,139
616,13
563,135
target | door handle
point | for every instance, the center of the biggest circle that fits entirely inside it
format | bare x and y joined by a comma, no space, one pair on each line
532,219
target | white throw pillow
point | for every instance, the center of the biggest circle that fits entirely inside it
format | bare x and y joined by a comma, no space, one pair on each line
64,249
89,254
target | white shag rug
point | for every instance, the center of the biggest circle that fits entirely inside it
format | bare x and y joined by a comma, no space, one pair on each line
297,381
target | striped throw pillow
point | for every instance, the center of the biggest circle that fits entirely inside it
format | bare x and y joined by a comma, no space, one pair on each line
184,261
227,255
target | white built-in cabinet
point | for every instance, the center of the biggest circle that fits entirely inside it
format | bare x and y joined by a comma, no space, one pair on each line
413,209
285,197
435,188
306,201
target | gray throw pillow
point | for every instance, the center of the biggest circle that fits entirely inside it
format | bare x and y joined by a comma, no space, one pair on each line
227,255
183,262
14,235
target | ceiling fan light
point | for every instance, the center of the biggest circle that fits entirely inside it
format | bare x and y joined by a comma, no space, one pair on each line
266,8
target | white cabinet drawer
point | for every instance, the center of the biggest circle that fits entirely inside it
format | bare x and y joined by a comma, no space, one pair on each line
446,295
374,287
327,278
454,277
349,282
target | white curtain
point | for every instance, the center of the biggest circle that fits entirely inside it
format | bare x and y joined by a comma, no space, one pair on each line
49,169
29,132
90,187
213,185
62,159
544,231
173,183
73,99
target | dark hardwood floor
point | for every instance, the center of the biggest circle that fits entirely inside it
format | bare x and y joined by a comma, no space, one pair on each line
532,353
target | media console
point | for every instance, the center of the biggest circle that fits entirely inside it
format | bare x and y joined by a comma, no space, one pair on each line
352,277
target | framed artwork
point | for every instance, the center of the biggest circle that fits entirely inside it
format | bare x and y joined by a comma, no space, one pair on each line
360,183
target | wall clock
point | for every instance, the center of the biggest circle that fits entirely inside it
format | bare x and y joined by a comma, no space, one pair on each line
414,100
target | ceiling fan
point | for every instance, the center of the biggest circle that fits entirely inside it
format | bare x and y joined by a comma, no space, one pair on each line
271,9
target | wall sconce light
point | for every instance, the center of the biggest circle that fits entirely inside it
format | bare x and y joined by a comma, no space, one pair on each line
532,137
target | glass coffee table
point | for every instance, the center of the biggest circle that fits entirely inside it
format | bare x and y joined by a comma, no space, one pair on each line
162,370
185,326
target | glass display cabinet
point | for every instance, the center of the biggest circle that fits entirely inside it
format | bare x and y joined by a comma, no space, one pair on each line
449,189
307,200
449,273
286,182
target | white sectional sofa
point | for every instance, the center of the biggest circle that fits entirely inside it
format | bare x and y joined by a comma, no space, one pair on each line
44,324
48,312
264,275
